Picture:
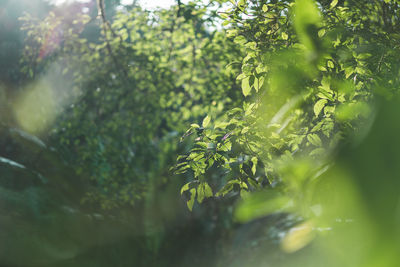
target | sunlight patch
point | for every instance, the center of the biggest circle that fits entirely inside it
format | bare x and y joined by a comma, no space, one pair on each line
42,101
35,110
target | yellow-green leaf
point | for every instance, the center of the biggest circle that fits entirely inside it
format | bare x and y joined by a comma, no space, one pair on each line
206,121
203,191
254,167
334,3
258,82
200,193
221,125
185,188
321,32
319,106
241,4
207,190
190,202
246,88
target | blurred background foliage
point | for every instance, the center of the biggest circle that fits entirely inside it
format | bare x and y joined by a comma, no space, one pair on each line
221,133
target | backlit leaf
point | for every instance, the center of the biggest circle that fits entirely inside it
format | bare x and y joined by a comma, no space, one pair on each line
190,202
319,106
206,121
246,88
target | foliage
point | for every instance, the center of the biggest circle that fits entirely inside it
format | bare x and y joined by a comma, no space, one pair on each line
309,77
314,77
133,90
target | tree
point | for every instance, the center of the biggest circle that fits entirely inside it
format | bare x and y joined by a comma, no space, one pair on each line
310,76
134,89
308,83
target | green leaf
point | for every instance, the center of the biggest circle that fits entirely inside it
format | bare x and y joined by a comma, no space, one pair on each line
265,8
319,106
241,4
253,183
227,188
182,169
241,40
284,36
246,88
243,185
360,70
258,83
348,71
226,22
254,167
314,139
226,147
321,33
221,125
206,121
190,202
200,193
224,15
203,191
329,109
334,3
241,76
207,190
185,188
202,144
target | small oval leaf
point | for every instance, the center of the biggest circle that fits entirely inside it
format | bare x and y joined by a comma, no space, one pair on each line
246,88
